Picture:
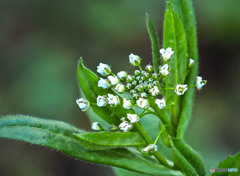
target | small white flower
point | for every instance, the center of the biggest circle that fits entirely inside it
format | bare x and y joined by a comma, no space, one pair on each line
166,54
125,126
120,88
164,70
191,63
154,91
103,69
161,103
113,100
83,104
200,83
122,75
96,126
127,104
133,118
104,83
143,103
135,60
114,80
181,89
102,101
150,148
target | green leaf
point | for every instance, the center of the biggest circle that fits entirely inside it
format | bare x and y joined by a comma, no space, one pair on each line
174,37
59,136
89,85
189,24
229,162
155,44
112,139
186,159
124,172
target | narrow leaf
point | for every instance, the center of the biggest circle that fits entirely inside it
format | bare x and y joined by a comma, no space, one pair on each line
231,162
59,136
89,85
189,23
113,139
186,159
174,37
155,44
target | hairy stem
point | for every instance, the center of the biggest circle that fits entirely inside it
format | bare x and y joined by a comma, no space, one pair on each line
145,136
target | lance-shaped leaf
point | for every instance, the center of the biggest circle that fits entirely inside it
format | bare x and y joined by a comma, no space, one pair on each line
59,136
189,24
89,84
232,163
112,139
186,159
174,37
155,44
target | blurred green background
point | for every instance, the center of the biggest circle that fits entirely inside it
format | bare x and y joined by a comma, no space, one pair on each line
41,41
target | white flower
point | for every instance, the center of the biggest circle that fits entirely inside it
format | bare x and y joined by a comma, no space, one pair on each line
113,100
200,83
191,63
102,101
103,69
135,60
164,70
166,54
154,91
122,75
143,103
83,104
161,103
181,89
127,104
104,83
150,148
96,126
120,88
114,80
133,118
125,126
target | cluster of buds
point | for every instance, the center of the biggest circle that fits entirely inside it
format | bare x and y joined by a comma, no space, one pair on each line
143,86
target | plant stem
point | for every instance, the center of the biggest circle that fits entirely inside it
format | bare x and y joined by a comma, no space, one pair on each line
145,136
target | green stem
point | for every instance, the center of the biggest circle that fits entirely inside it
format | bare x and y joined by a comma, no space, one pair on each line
164,119
145,136
140,68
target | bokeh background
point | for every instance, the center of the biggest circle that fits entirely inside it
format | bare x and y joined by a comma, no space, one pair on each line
41,41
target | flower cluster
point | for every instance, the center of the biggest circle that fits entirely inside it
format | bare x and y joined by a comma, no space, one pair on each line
143,86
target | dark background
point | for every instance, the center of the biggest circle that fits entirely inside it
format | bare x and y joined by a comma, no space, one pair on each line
41,41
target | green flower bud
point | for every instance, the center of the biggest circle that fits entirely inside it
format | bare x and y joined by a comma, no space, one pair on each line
120,88
139,88
134,60
136,96
134,83
128,85
138,78
149,68
129,79
151,80
143,95
137,73
146,75
122,75
155,76
150,86
133,91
